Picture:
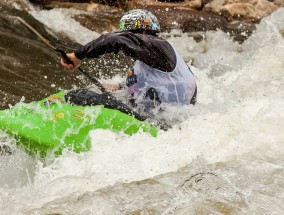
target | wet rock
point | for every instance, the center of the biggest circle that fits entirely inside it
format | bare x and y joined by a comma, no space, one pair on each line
114,3
279,3
247,10
26,61
193,189
44,3
99,18
237,17
193,4
239,30
5,150
189,20
18,4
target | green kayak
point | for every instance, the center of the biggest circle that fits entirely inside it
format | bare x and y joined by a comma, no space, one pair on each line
51,125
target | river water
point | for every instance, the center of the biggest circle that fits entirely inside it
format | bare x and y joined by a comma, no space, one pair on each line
226,157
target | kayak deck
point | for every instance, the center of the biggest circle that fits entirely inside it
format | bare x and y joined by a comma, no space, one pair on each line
51,125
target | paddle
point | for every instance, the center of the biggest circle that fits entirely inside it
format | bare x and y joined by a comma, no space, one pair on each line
63,54
113,102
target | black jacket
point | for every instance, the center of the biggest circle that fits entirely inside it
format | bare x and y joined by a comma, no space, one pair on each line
154,51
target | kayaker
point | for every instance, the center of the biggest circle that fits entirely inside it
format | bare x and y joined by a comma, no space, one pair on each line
159,74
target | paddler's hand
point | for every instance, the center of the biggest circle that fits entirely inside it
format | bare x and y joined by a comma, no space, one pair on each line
74,59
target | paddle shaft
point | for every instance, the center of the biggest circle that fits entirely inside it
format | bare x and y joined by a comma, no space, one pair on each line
63,55
120,105
85,73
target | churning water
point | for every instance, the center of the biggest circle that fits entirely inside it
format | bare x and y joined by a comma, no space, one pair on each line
226,157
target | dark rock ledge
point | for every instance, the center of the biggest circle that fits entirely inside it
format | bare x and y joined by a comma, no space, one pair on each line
236,17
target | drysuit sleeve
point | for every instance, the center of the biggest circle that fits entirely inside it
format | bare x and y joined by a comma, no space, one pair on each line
154,51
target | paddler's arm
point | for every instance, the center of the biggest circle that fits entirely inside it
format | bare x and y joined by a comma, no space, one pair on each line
153,51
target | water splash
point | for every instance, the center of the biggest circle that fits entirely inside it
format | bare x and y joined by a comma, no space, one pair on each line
236,127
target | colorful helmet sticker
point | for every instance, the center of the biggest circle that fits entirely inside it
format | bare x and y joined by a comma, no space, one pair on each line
139,20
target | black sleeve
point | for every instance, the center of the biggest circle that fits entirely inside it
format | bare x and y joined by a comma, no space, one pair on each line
153,51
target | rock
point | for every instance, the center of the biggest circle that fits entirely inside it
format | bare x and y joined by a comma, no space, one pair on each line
43,3
32,60
178,15
237,17
114,3
246,10
18,4
193,189
100,18
189,20
5,150
279,3
193,4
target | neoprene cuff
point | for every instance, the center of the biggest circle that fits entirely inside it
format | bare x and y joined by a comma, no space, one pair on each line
79,55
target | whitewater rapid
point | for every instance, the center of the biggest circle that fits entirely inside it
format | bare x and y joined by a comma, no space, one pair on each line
236,128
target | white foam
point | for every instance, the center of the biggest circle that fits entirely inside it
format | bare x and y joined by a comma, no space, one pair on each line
60,20
239,113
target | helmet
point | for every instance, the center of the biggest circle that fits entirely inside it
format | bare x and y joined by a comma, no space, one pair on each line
137,20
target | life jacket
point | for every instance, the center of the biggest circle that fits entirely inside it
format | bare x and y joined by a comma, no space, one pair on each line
176,87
